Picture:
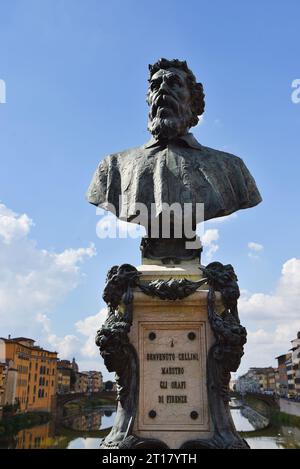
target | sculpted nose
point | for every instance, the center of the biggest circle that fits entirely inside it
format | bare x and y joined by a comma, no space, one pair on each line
164,86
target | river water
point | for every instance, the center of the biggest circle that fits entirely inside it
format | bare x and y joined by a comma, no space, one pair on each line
283,437
86,430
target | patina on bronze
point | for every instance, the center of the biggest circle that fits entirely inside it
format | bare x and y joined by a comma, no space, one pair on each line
173,167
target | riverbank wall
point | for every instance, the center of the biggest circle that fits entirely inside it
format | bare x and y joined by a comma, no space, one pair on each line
290,407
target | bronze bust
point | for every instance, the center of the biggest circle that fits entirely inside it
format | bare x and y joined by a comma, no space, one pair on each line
173,167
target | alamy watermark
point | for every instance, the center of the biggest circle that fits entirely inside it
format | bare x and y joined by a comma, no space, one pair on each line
2,92
166,221
295,96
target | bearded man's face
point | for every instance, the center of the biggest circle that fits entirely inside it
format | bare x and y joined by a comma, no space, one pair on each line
169,99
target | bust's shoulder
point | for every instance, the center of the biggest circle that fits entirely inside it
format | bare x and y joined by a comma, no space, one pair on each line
124,156
221,155
129,152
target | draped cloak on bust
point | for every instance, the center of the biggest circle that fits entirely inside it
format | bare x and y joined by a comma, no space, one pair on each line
181,171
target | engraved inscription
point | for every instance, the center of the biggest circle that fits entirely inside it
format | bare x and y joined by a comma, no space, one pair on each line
173,376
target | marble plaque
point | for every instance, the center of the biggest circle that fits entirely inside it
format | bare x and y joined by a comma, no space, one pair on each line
173,376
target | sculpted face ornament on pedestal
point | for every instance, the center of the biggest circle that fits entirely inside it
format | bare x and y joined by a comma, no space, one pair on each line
173,337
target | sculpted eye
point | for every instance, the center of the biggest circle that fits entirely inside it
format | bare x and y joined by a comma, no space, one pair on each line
154,85
174,81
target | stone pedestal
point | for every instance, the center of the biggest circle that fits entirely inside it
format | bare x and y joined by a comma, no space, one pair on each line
172,340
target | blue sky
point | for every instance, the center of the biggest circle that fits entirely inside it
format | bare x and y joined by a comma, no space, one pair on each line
76,79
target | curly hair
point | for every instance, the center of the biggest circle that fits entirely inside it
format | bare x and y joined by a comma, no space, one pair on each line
196,89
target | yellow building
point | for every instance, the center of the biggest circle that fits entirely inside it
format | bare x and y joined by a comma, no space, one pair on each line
36,373
63,380
81,384
38,437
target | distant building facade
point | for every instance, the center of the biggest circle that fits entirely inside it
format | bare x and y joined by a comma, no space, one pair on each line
63,378
95,381
248,383
284,361
283,381
9,383
67,376
257,380
31,375
296,364
70,379
2,386
81,385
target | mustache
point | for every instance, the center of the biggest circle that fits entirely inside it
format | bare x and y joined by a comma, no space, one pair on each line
164,100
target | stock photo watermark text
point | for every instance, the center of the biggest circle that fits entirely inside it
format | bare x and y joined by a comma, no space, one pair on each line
2,91
295,96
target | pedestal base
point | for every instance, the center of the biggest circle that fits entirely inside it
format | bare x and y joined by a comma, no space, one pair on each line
172,342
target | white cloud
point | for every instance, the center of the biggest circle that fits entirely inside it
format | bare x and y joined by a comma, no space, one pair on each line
258,337
88,327
66,346
90,358
255,249
283,304
210,236
12,225
69,259
209,243
273,318
32,280
255,246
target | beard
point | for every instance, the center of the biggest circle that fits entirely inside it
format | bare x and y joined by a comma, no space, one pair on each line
168,118
167,128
